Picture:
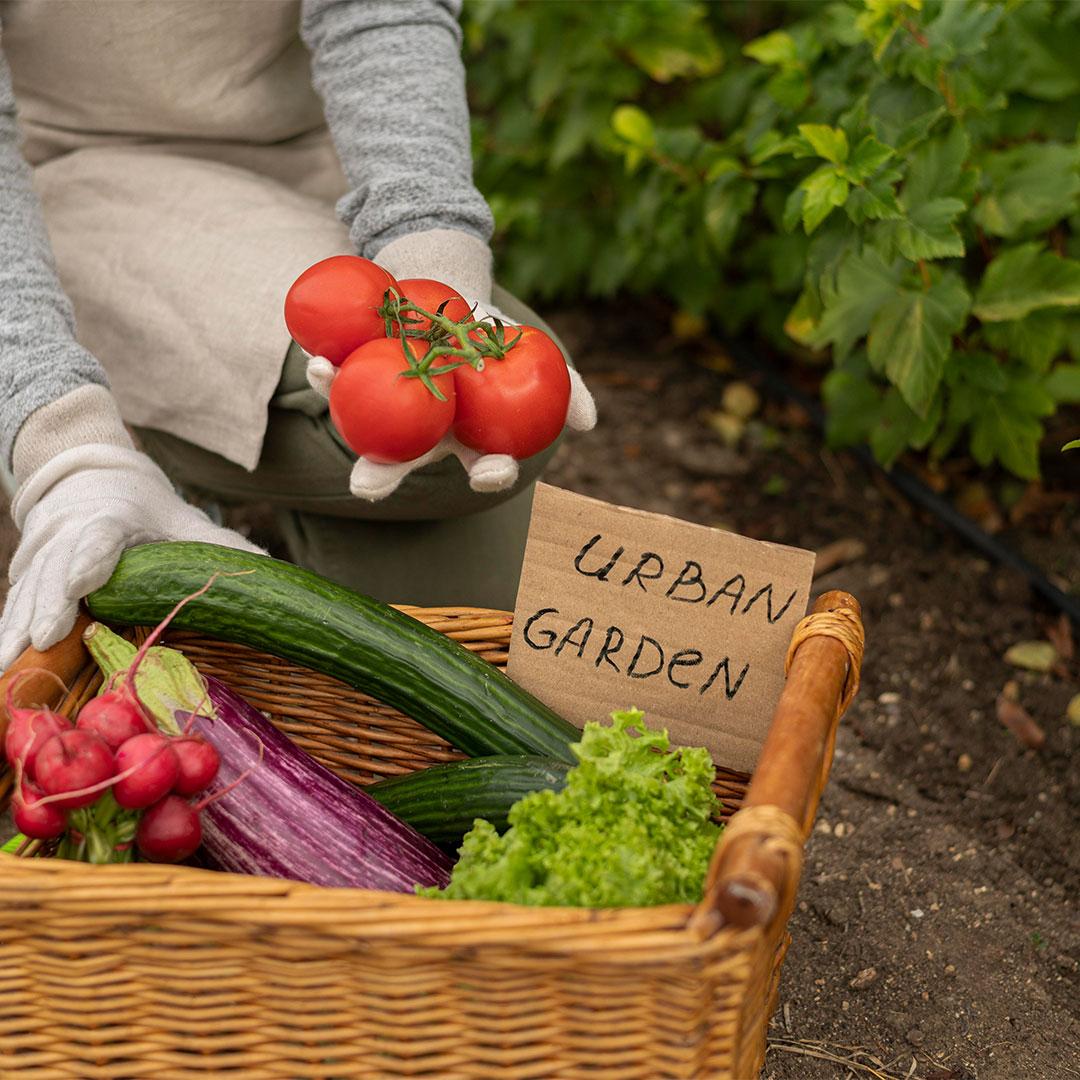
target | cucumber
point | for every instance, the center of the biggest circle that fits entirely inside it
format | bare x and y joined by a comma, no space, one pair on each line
442,802
300,616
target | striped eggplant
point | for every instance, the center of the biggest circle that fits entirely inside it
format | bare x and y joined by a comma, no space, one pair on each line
293,818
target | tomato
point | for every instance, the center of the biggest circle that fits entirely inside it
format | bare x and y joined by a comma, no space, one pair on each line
429,294
516,405
331,308
382,414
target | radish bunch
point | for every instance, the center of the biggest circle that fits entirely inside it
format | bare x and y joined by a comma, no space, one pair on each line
112,777
112,747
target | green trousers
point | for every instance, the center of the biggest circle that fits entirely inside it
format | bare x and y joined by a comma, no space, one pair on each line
434,541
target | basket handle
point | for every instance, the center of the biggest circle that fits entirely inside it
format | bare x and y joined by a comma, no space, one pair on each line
755,870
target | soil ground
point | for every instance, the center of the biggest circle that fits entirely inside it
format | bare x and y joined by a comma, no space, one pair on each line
935,936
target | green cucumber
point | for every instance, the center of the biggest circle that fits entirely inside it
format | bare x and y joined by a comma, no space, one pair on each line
300,616
442,802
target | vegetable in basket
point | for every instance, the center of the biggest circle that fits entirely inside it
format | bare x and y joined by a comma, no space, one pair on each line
633,827
296,614
86,785
290,817
443,801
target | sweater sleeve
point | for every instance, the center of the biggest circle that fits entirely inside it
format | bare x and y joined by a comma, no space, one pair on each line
393,86
40,359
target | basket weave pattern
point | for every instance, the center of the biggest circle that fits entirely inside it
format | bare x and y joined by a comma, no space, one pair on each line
145,971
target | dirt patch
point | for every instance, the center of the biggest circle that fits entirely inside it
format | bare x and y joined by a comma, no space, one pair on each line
934,924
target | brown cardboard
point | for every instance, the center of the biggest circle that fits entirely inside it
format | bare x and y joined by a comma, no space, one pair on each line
695,594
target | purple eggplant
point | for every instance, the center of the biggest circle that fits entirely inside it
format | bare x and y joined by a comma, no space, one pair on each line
293,818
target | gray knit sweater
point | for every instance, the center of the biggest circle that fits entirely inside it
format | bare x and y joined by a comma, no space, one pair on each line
401,127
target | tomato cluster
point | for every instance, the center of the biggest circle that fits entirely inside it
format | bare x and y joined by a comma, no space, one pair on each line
414,364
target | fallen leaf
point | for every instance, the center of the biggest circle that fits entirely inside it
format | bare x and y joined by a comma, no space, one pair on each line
1032,655
1072,711
839,553
1020,722
975,501
688,326
1060,635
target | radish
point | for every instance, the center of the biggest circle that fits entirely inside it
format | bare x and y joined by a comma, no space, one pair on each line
148,769
74,761
199,763
29,729
42,822
169,831
28,732
114,716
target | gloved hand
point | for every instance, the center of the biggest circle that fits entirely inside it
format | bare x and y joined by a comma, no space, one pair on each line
77,512
487,472
463,262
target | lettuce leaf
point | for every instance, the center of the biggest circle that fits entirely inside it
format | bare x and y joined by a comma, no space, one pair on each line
632,827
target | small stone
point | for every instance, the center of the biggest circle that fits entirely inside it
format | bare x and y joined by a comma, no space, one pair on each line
740,399
863,979
915,1037
916,913
890,697
950,969
729,428
964,763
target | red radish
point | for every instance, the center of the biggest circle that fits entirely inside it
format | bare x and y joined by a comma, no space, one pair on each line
169,831
429,294
33,819
151,767
74,761
199,763
114,716
28,732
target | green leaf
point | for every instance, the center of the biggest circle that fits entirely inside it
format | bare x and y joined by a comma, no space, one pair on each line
867,157
793,208
862,285
726,201
825,190
633,126
979,370
1028,185
910,338
776,49
681,50
789,87
897,427
1003,432
1024,279
1063,384
1036,340
852,403
934,168
1073,445
875,201
928,231
829,143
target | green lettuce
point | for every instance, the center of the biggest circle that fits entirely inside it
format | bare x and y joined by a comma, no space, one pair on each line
632,827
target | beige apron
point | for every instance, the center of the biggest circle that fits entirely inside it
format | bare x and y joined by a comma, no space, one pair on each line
187,177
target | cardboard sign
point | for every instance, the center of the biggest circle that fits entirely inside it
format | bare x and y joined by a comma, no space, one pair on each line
620,608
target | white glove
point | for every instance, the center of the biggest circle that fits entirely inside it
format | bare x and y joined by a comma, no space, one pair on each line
77,513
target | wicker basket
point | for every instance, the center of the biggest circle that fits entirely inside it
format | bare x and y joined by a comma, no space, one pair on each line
144,971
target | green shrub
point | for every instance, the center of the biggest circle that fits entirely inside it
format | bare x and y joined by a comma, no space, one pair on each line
894,183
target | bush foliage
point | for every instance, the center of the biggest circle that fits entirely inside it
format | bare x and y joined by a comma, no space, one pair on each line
892,183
